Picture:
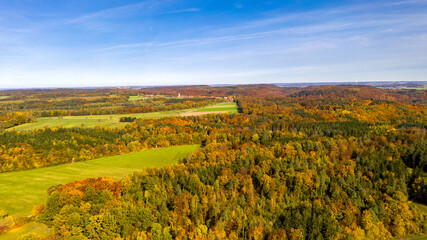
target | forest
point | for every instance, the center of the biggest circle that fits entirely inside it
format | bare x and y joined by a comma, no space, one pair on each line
320,162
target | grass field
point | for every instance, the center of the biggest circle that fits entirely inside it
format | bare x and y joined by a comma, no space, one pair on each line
4,97
135,98
111,121
20,191
227,106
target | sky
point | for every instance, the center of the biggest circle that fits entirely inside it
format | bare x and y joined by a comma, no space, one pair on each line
81,43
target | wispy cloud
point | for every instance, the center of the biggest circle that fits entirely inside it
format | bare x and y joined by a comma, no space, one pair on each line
386,23
181,11
407,2
109,13
157,41
97,20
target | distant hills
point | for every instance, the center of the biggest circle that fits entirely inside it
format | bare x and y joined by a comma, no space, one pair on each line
385,84
379,84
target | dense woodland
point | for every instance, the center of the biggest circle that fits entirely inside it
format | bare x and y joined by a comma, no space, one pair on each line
312,163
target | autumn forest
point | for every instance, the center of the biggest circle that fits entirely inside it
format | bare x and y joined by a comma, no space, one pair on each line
317,162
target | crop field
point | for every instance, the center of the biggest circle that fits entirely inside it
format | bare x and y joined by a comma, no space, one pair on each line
20,191
228,106
111,121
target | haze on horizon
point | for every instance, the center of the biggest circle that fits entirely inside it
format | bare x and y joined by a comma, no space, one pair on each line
78,43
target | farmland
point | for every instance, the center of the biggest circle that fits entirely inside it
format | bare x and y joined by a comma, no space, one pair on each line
88,108
227,106
20,191
111,121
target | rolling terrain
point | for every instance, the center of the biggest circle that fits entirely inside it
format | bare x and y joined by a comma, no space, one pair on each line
20,191
329,162
113,121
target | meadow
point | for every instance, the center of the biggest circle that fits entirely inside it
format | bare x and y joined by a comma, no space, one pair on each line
111,121
227,106
20,191
136,98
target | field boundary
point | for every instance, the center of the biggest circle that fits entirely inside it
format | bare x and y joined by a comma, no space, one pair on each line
20,191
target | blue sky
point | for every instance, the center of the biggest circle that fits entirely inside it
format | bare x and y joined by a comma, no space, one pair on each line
78,43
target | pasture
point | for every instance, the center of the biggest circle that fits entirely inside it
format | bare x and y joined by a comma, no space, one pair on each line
20,191
221,107
111,121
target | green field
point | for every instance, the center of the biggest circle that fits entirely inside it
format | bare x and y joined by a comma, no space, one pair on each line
4,97
20,191
111,121
227,106
135,98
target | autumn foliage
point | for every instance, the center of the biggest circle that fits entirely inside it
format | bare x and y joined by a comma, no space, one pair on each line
302,164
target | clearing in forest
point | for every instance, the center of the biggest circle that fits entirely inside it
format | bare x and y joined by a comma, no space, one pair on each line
227,107
20,191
